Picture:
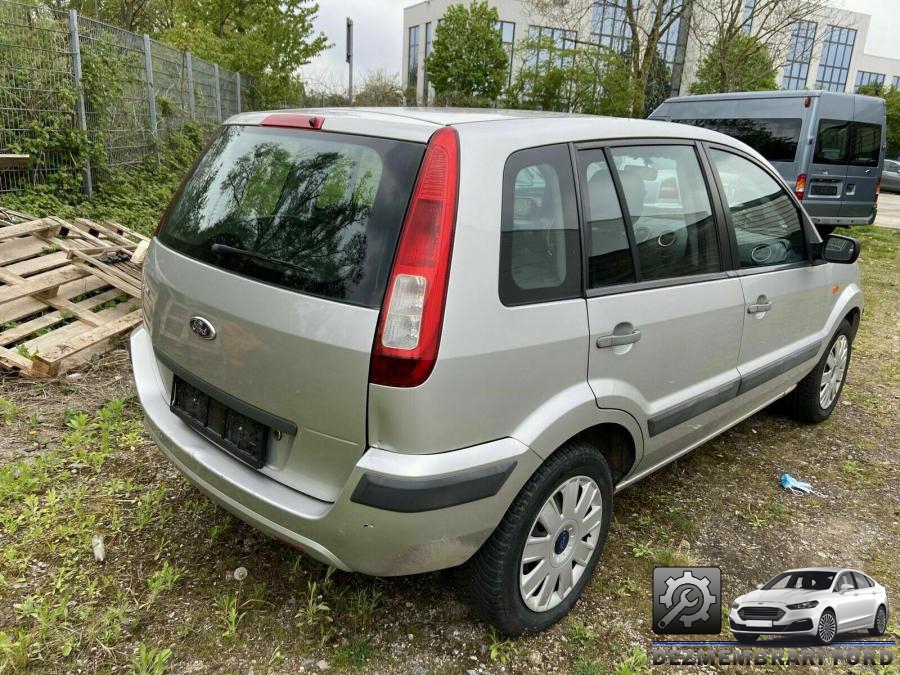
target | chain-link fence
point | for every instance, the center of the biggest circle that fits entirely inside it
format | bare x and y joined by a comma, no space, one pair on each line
78,96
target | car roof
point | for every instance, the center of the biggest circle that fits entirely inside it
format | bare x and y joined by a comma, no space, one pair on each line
833,570
417,124
748,95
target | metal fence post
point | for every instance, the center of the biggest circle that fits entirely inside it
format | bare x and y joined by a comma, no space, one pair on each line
151,96
189,66
237,79
80,114
218,93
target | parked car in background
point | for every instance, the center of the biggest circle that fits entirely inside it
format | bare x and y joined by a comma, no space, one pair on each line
405,340
819,601
890,177
828,146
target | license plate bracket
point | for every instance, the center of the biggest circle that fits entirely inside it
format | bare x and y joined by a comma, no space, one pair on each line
756,623
237,434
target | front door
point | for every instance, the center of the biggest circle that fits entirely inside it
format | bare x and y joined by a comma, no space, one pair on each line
785,295
665,319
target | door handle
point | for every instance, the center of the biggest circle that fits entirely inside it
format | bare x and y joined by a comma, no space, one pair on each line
762,304
617,340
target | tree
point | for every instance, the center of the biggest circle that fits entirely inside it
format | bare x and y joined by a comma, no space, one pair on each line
592,80
265,39
468,61
739,63
379,89
644,25
751,38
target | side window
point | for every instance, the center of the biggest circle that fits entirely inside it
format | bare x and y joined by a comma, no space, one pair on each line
766,223
608,250
832,142
669,210
865,146
540,251
862,581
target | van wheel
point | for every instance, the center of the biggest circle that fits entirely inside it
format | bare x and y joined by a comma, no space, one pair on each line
825,230
817,394
535,565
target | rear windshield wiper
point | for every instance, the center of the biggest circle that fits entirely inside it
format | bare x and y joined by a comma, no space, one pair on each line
232,250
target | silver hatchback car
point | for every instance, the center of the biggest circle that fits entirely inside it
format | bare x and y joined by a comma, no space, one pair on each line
406,340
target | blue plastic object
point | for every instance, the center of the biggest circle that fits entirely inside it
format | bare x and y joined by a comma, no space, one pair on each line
797,487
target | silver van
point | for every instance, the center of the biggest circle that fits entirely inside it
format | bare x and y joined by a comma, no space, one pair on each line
406,340
828,146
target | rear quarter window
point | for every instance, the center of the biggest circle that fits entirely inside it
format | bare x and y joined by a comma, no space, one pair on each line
311,211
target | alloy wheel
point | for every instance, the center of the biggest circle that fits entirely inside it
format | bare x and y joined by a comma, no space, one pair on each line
560,543
827,627
834,371
881,620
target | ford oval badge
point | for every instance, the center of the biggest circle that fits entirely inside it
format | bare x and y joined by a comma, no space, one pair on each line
203,328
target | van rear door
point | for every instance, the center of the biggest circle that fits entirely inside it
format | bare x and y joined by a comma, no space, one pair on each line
826,182
263,293
864,158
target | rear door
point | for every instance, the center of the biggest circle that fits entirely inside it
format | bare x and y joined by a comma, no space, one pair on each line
265,283
786,296
864,158
827,171
665,318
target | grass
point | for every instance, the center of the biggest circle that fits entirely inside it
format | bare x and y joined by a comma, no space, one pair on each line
166,598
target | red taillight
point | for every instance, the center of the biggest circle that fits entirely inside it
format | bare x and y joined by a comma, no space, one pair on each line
293,120
800,186
877,188
409,327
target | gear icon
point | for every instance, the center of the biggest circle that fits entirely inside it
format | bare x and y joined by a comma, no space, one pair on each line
701,584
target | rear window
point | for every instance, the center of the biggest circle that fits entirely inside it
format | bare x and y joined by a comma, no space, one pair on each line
775,139
843,142
312,211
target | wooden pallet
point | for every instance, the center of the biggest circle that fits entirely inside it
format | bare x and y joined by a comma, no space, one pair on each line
67,290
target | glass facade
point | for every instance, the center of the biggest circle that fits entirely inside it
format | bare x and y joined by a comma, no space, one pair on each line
609,25
834,64
412,71
507,30
895,82
551,43
429,30
747,18
864,77
799,54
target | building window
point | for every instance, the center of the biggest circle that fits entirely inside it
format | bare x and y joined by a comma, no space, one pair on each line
895,82
864,77
507,30
609,25
412,72
428,41
834,64
549,47
799,54
747,26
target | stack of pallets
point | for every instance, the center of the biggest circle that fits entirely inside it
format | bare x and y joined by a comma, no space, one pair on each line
67,290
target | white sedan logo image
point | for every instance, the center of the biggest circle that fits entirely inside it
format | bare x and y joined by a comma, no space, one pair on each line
819,601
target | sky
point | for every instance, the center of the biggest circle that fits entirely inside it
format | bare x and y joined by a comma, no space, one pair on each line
378,27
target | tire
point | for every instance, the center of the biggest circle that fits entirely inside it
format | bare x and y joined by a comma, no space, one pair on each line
495,572
825,230
826,631
880,625
745,638
807,397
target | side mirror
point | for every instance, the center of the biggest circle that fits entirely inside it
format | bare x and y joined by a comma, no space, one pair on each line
846,587
839,249
758,586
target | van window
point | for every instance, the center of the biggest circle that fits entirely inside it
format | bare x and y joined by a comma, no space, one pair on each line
669,210
843,142
540,251
766,223
775,139
609,254
311,211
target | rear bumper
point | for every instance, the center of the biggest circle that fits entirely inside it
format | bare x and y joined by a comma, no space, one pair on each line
846,222
417,524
